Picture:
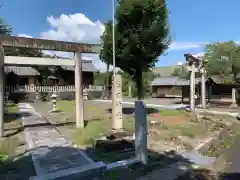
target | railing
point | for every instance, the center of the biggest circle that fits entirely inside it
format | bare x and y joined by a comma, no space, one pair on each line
32,89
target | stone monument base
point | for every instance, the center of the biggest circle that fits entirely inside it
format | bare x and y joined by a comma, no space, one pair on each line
233,105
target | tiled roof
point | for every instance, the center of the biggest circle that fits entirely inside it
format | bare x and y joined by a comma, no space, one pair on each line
29,71
21,71
87,66
171,81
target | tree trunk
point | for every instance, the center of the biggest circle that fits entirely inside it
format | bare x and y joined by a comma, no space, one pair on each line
139,85
107,82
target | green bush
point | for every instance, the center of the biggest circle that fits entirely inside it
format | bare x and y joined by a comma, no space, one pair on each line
43,96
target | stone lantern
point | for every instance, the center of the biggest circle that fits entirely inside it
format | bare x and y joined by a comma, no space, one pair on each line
54,102
85,94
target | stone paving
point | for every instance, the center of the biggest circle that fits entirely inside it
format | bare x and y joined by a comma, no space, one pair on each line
50,150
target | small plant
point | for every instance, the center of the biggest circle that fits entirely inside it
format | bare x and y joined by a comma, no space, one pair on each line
8,147
169,112
43,96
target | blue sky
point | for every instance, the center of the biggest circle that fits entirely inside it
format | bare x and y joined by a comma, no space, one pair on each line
193,23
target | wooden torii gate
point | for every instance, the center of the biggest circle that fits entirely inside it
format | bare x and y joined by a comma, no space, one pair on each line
43,44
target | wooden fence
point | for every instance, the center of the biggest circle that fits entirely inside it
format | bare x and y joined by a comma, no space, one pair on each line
32,89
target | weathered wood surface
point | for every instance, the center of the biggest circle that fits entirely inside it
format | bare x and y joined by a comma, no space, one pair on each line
44,44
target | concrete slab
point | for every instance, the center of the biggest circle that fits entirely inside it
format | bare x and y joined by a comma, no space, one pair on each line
198,159
52,154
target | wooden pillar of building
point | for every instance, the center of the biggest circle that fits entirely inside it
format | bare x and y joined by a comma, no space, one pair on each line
2,75
182,89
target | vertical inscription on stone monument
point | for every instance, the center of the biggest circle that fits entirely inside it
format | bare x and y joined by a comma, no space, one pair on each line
117,108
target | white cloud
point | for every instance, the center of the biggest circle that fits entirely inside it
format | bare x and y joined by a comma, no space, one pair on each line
24,35
199,54
180,63
74,27
185,45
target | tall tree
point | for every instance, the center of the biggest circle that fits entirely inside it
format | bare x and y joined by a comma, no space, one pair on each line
223,59
12,51
142,34
181,72
4,28
106,56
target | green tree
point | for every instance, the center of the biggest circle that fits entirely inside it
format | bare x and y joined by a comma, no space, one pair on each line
223,59
25,52
142,34
12,51
181,72
4,28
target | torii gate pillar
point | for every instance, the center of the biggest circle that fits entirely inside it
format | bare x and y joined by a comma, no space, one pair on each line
78,90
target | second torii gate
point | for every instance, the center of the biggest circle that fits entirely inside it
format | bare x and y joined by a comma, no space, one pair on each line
196,65
43,44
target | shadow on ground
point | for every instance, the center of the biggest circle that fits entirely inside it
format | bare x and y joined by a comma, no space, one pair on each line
10,116
130,110
214,103
205,174
20,167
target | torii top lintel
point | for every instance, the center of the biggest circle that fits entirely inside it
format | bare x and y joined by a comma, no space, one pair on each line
190,58
44,44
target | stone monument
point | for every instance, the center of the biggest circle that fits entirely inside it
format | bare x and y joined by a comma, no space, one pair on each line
117,102
234,102
141,132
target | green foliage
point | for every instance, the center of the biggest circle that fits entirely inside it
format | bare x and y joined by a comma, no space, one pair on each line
106,42
181,72
142,34
99,80
25,52
223,59
43,96
4,28
10,51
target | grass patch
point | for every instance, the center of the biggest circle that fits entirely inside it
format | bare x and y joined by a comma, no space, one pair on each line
13,109
177,126
99,122
187,129
98,128
170,112
231,135
94,129
8,145
192,131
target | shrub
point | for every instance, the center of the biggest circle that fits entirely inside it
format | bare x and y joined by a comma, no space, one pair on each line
43,96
